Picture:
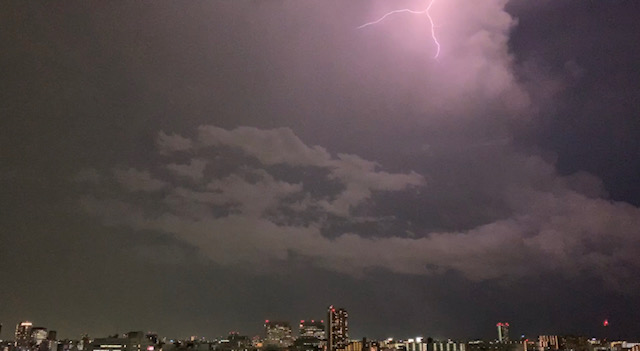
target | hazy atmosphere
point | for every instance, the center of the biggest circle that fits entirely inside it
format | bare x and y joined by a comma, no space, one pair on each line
197,167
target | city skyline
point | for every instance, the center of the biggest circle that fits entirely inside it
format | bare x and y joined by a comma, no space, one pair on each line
274,332
201,167
278,331
277,337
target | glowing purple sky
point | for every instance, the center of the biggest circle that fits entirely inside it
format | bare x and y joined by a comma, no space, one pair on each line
425,12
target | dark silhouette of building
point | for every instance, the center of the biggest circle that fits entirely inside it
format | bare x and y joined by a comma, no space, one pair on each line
574,343
307,343
236,342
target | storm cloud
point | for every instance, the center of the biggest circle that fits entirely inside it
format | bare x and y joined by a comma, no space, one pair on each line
552,223
259,159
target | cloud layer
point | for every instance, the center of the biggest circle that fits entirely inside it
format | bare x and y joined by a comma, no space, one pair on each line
250,217
473,204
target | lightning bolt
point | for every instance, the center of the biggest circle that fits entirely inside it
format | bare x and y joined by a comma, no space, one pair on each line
423,12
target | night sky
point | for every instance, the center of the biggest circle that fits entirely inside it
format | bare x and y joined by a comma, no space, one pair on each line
193,168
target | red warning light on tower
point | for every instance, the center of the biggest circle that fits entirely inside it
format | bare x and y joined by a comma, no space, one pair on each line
605,323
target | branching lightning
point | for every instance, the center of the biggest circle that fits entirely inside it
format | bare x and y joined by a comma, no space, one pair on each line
423,12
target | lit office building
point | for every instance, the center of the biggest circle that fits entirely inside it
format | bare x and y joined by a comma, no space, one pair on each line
363,345
355,345
277,334
503,332
448,345
416,344
337,329
548,342
308,343
134,341
38,335
23,333
313,328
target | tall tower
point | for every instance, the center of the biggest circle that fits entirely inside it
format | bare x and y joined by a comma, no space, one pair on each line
337,328
503,332
23,333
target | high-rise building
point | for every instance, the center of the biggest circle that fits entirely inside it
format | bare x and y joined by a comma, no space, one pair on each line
38,335
277,334
312,336
23,333
503,332
337,329
312,328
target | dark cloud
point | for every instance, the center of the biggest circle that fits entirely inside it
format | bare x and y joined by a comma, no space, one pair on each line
548,225
135,180
194,169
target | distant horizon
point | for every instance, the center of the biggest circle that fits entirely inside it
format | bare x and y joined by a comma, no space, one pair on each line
295,331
